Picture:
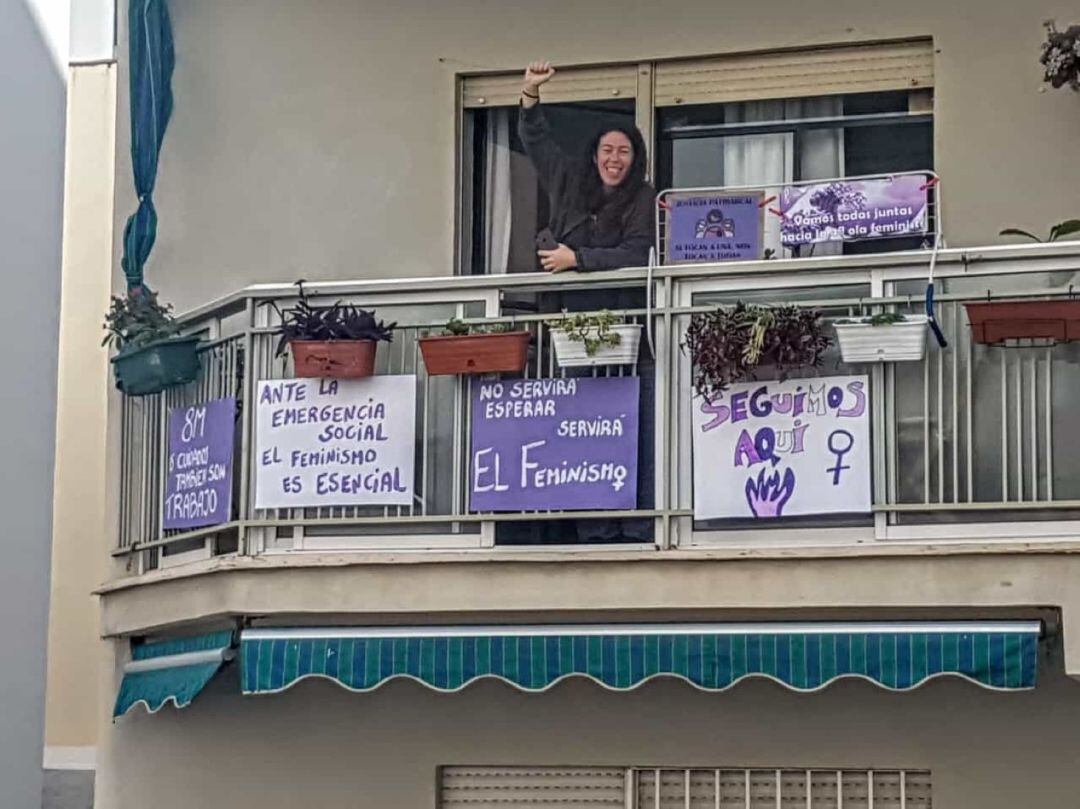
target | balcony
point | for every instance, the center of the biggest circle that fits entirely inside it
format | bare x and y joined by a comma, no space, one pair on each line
971,443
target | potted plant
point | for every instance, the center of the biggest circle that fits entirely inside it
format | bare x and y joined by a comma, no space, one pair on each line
1060,56
1001,322
729,344
597,339
151,355
337,341
884,337
465,348
1059,232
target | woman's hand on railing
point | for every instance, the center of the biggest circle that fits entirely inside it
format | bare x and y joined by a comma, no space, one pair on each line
560,259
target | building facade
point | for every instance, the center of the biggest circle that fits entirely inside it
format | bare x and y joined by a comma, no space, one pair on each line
914,645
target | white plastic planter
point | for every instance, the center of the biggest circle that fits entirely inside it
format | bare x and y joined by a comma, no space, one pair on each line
571,353
891,342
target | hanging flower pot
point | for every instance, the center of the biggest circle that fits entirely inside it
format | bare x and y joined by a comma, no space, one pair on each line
337,341
480,352
150,354
888,337
594,340
157,366
333,359
1001,322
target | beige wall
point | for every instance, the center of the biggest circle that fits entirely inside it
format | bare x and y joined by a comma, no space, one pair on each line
318,745
79,560
504,586
316,139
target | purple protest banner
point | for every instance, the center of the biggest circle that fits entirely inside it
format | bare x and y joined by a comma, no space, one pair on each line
704,227
198,483
554,444
845,210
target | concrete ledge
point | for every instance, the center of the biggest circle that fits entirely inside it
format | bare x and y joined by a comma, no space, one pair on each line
300,560
938,582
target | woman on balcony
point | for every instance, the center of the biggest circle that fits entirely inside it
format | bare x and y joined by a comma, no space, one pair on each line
602,218
601,206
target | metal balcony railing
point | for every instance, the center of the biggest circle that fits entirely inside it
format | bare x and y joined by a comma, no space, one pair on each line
972,442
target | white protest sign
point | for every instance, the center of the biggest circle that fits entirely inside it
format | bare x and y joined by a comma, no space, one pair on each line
781,449
331,442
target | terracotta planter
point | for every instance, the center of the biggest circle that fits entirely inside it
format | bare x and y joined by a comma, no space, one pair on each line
994,323
333,359
475,353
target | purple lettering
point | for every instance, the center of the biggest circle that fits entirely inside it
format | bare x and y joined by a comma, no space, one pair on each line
797,436
745,451
782,403
760,406
720,414
738,407
857,409
800,402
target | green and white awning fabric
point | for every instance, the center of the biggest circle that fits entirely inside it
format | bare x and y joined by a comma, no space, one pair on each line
173,670
713,657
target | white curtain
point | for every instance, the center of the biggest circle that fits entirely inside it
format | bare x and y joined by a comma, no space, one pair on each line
768,161
497,191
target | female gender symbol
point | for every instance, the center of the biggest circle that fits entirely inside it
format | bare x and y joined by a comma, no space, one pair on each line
839,452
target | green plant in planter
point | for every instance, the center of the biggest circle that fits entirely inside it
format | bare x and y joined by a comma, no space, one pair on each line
136,320
339,321
594,331
151,354
727,345
879,319
455,327
1058,231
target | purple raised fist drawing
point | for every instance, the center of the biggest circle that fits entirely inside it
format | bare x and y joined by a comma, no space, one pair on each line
769,492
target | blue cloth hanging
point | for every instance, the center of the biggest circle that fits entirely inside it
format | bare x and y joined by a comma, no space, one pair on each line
151,57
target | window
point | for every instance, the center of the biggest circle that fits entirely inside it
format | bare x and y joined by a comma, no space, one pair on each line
768,144
767,789
502,204
742,119
509,207
522,787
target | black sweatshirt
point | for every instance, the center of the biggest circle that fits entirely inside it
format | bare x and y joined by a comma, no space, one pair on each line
600,242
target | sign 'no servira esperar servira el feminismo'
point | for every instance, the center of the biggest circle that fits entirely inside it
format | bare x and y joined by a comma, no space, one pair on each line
329,442
554,444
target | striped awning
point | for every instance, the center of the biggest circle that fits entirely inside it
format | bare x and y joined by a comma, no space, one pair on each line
173,670
804,657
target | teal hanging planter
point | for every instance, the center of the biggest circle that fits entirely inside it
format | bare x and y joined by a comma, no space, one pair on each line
157,366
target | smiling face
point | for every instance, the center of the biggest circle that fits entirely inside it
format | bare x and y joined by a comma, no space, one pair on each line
614,156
